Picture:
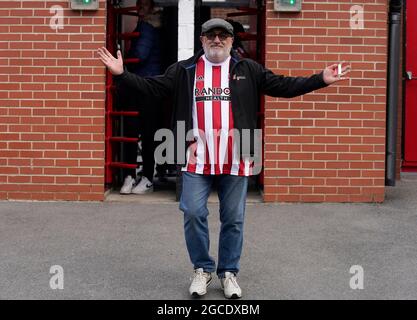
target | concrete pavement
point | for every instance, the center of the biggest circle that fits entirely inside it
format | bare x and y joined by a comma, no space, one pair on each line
129,250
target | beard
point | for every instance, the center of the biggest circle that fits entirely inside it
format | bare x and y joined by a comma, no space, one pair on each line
217,54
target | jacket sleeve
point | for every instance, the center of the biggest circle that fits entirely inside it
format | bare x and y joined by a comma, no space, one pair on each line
161,86
288,87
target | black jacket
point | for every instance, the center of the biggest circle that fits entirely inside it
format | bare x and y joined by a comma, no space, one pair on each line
248,80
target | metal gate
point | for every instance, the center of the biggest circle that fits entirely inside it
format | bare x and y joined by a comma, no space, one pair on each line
115,113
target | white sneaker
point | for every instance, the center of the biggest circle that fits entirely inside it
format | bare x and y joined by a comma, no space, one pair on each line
143,186
127,185
200,282
230,286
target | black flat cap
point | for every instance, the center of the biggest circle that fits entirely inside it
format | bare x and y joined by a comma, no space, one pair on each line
216,23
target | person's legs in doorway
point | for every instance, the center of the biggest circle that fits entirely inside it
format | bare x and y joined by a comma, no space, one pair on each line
149,125
130,153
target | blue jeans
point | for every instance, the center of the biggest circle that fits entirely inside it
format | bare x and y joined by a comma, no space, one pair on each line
232,192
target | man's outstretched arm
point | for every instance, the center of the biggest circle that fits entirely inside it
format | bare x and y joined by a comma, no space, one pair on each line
157,86
289,87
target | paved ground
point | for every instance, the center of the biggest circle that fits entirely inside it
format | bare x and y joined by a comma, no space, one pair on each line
127,250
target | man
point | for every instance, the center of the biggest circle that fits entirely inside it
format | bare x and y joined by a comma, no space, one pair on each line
215,91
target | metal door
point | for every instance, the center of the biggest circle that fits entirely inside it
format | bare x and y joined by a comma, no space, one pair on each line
410,123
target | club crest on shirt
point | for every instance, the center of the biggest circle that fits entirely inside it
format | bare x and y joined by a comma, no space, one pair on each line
200,78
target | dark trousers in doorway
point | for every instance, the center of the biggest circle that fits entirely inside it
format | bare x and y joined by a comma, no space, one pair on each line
146,125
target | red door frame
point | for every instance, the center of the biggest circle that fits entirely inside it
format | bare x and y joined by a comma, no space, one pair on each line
112,38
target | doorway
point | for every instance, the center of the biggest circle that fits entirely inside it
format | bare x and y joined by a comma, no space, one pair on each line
124,112
247,15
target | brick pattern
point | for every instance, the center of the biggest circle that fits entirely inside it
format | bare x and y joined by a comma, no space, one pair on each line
328,145
52,102
325,146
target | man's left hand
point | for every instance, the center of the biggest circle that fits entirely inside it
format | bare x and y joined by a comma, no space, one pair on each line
331,75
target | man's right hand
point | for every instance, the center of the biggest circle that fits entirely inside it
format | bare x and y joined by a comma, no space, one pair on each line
114,65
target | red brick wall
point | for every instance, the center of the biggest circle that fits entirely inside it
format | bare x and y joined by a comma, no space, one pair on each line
52,92
328,145
325,146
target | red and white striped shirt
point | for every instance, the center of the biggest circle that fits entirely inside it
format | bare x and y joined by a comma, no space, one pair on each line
214,151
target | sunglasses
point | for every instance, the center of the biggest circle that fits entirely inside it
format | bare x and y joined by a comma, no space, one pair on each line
212,35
